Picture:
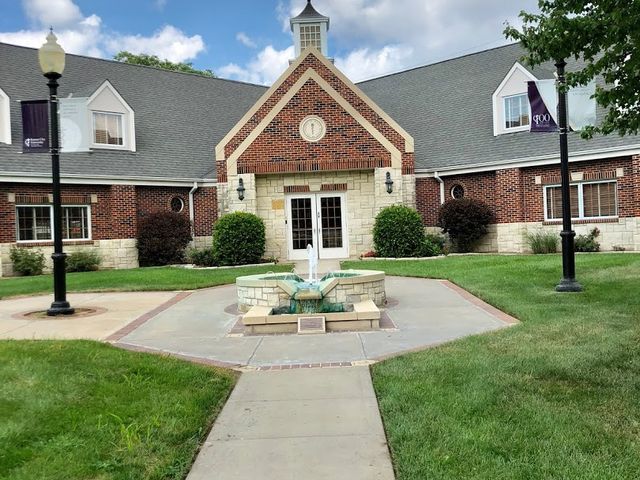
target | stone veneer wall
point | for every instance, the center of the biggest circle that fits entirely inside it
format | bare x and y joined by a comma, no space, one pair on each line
272,296
366,195
121,253
510,237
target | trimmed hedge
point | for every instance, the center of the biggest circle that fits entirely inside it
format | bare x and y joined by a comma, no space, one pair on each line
465,220
238,239
398,232
162,238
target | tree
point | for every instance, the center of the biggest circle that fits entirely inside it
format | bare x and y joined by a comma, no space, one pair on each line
154,61
604,36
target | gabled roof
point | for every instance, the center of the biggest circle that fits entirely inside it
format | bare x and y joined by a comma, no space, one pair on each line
447,107
179,117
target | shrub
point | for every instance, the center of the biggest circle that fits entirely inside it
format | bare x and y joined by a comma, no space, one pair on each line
398,232
430,248
238,239
83,261
202,257
26,261
587,243
465,220
162,238
542,242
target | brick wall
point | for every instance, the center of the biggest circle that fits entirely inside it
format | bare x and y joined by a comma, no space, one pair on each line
158,199
514,195
205,202
533,206
101,217
347,146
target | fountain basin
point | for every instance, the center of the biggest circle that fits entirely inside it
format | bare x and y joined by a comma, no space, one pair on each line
275,303
277,289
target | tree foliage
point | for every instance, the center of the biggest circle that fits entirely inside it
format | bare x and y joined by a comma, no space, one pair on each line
154,61
605,36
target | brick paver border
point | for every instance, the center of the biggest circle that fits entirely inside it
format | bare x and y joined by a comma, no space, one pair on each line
490,309
130,327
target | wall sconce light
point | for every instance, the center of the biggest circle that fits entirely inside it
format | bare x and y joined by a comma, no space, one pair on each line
389,183
240,189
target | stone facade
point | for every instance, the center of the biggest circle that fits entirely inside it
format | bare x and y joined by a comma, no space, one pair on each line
361,146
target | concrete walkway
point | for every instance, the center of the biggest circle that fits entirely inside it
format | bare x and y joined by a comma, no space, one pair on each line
425,312
306,424
284,420
116,310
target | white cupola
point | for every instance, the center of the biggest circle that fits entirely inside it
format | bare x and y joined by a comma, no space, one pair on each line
310,30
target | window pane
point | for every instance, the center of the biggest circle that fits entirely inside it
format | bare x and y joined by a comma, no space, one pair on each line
108,129
34,223
75,222
554,202
599,199
516,111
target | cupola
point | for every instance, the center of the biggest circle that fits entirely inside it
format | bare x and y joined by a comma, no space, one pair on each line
310,30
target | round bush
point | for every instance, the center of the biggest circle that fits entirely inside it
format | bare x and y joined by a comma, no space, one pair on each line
162,238
238,239
398,232
465,220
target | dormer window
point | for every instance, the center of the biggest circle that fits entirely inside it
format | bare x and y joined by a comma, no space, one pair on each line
516,111
511,111
111,120
310,37
107,128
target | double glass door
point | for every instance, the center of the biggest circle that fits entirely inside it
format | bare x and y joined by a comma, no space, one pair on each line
318,220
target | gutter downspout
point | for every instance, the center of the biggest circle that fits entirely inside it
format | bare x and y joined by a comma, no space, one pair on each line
441,182
192,215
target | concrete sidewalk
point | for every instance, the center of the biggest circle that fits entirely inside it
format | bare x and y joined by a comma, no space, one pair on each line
425,312
304,424
116,310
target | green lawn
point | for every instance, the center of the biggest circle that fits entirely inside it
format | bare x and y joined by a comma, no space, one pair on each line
137,279
85,410
557,397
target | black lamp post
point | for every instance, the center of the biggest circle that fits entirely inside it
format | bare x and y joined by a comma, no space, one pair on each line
568,282
51,57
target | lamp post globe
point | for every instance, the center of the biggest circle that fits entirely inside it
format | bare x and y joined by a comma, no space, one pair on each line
52,61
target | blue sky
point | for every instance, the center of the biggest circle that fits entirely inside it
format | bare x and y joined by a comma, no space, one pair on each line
250,40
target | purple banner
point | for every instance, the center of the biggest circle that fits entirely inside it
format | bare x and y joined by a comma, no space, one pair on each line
541,119
35,126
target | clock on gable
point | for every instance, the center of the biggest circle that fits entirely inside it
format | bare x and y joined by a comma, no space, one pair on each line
312,128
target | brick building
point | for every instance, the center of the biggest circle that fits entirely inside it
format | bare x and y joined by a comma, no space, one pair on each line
315,156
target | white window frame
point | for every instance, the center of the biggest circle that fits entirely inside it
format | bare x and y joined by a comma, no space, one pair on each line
123,130
519,128
581,202
5,118
50,207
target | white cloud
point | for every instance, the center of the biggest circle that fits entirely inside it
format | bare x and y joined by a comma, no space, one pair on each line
167,43
431,30
160,4
244,39
263,69
85,35
366,63
54,13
